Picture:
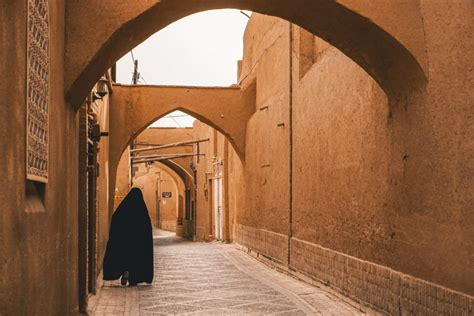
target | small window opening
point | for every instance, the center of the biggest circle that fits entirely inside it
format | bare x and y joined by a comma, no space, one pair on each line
35,193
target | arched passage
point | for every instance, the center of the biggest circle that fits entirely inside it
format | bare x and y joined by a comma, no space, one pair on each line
164,210
179,169
366,33
135,107
154,178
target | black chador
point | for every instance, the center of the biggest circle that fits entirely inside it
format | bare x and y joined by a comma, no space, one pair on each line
129,252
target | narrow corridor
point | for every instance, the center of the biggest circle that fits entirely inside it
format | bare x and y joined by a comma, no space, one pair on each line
214,279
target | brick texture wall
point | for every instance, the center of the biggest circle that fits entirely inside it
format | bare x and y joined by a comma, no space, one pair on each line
370,284
263,241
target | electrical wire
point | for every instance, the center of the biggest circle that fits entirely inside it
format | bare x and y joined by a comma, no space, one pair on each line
244,13
175,116
135,71
182,128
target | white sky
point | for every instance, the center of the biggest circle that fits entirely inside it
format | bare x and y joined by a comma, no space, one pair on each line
199,50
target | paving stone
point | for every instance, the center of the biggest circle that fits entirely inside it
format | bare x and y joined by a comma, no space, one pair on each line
176,309
264,308
293,312
217,303
165,300
215,279
219,311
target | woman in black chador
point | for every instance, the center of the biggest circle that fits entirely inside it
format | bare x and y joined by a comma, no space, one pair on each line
129,251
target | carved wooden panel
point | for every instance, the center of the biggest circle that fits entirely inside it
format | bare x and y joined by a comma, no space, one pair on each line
37,96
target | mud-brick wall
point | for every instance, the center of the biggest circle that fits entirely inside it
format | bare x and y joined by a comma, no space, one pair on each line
38,263
235,190
341,149
203,202
169,207
103,215
231,168
383,186
266,64
122,185
204,217
386,180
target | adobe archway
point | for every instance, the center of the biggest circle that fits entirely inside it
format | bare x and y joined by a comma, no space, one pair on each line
147,180
179,169
135,107
385,39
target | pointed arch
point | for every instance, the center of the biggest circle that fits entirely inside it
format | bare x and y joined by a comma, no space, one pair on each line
136,107
349,26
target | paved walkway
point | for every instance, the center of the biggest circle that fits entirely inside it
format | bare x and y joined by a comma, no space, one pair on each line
214,279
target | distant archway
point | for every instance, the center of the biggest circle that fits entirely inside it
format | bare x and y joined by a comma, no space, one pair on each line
128,125
180,170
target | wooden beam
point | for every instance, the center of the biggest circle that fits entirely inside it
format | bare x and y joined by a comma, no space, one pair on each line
164,156
170,145
155,145
137,160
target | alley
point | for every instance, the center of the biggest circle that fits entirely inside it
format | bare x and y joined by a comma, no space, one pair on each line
300,157
214,279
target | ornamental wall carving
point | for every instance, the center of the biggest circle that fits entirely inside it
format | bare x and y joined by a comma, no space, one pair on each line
37,96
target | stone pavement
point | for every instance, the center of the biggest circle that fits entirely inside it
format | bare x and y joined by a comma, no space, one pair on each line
214,279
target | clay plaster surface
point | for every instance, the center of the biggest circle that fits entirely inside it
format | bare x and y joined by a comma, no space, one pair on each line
51,227
373,178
